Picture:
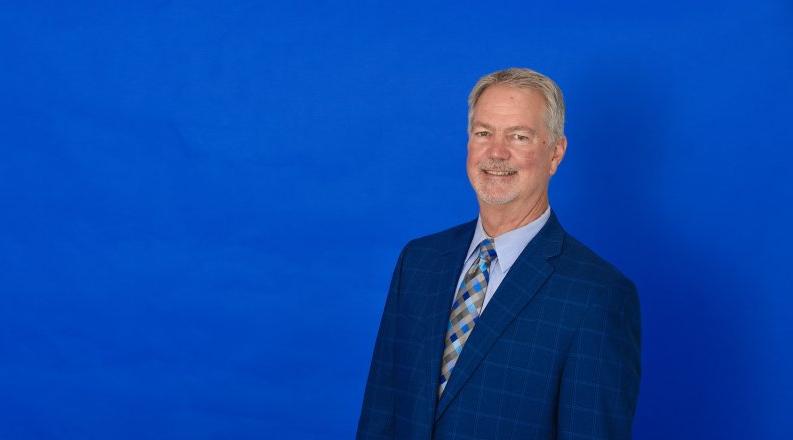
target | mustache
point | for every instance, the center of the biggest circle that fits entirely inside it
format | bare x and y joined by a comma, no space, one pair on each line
496,165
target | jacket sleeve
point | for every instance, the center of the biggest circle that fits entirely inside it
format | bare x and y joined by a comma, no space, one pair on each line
377,414
600,378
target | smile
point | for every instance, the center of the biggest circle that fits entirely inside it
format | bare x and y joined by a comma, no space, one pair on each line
499,173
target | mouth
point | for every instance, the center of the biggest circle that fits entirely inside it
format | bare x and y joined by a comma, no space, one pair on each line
499,173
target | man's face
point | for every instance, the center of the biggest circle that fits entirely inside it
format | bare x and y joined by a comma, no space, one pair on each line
510,160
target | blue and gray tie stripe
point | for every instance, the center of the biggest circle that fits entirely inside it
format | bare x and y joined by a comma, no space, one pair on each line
465,309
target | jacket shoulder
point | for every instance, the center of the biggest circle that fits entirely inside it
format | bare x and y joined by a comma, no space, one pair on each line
579,261
443,241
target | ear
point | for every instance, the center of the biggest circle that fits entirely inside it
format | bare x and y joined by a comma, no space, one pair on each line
558,154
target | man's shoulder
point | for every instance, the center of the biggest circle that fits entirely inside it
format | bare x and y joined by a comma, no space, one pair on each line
444,241
577,260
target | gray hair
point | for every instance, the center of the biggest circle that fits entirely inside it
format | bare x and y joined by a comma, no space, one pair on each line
523,78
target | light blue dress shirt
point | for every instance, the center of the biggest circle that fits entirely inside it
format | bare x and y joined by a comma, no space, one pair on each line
508,245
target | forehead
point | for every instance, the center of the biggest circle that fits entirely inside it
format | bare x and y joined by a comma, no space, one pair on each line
505,102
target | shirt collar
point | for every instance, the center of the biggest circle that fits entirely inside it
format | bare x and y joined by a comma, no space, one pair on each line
510,244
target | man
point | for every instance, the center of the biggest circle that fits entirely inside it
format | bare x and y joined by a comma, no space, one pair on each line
506,327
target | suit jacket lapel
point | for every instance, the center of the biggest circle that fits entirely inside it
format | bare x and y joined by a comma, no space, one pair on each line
524,279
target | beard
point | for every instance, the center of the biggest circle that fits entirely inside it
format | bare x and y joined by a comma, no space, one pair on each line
495,189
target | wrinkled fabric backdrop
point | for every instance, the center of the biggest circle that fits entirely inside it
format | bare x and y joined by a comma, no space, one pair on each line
202,202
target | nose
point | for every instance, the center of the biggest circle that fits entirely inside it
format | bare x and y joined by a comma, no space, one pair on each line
498,148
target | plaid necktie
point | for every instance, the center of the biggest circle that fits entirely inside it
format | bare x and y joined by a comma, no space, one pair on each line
465,309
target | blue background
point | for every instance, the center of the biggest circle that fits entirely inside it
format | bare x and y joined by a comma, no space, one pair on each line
202,202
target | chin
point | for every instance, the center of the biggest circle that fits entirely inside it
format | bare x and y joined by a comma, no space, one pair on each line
491,194
496,198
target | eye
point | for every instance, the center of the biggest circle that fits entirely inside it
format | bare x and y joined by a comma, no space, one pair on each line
520,137
482,133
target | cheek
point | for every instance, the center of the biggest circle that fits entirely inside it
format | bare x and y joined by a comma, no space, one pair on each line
473,156
471,167
528,159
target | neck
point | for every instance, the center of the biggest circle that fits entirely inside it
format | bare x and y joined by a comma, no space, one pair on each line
499,219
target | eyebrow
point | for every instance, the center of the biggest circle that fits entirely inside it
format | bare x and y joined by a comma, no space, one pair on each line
508,129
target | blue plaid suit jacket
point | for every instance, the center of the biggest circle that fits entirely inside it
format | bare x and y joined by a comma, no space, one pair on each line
555,355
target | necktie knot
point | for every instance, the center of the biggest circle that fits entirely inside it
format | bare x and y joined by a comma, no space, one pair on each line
487,250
